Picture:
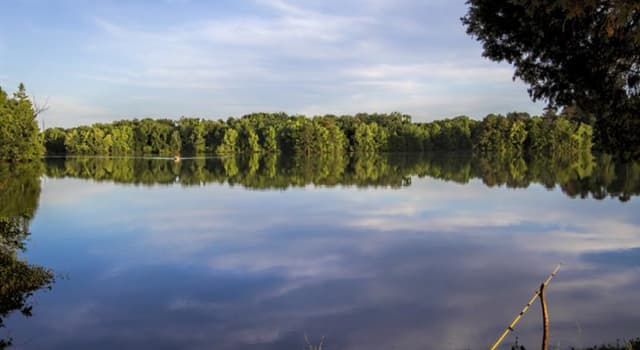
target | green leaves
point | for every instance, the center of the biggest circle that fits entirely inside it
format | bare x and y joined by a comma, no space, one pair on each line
572,53
550,137
328,135
19,133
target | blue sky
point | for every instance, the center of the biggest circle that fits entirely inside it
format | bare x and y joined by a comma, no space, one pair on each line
104,60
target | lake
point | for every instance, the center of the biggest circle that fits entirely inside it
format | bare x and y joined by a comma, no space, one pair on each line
385,252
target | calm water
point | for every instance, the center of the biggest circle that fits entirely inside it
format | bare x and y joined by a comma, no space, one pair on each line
372,253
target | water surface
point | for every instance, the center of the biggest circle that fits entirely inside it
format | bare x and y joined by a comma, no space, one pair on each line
394,252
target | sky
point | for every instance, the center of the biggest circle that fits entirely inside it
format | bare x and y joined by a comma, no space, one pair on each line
96,61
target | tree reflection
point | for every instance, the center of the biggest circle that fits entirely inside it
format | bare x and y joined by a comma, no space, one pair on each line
578,177
19,195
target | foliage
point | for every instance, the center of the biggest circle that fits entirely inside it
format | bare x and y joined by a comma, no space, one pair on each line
633,344
19,281
517,133
580,54
229,142
53,139
19,133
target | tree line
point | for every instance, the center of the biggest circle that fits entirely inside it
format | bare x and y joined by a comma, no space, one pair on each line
551,135
514,134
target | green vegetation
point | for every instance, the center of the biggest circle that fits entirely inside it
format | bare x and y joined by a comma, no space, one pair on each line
19,195
580,177
19,133
516,134
580,55
633,344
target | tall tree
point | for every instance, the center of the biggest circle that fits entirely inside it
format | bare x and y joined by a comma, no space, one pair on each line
19,133
579,53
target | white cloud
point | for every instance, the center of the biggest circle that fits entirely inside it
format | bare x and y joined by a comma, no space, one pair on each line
70,191
301,59
457,71
216,53
69,111
439,249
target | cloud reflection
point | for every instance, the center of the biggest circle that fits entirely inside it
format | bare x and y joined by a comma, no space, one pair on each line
435,265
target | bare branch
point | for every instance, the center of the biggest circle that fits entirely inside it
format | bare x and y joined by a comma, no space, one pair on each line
39,108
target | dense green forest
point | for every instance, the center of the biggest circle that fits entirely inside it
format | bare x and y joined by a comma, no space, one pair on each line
516,134
513,134
597,177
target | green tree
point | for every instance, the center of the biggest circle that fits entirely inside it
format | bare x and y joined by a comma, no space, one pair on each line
337,139
54,140
19,133
176,142
122,136
572,53
270,143
326,135
365,138
304,138
517,135
229,142
253,141
193,135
